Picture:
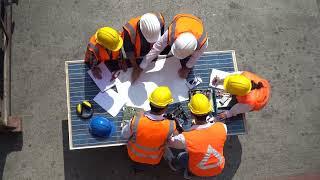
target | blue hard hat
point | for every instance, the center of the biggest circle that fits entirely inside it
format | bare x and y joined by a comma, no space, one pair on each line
101,127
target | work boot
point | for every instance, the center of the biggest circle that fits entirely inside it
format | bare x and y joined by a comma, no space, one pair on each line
186,174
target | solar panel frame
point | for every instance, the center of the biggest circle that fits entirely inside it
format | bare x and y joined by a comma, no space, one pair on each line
76,73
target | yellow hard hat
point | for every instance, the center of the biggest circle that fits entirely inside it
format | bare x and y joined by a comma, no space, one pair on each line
237,84
161,97
109,38
200,104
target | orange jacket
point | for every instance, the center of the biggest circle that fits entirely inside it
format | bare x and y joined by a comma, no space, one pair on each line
256,98
100,53
205,149
187,23
146,144
132,28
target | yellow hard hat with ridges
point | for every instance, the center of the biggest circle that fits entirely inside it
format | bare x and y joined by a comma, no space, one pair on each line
237,84
109,38
161,97
200,104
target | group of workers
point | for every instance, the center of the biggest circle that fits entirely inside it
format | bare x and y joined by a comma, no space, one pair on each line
151,134
143,39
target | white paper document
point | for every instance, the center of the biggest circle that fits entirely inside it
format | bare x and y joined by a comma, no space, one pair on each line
103,83
110,101
163,72
220,75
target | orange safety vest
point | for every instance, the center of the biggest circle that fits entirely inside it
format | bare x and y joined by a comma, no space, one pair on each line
101,54
256,98
205,149
132,28
146,144
187,23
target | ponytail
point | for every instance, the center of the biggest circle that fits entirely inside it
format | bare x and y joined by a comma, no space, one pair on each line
256,85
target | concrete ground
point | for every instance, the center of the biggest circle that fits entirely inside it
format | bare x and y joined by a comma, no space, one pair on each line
277,39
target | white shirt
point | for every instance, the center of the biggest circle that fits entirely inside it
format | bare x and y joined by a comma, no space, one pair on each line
161,44
126,131
238,108
179,141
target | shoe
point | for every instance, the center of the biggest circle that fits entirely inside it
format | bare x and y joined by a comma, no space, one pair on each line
172,166
186,174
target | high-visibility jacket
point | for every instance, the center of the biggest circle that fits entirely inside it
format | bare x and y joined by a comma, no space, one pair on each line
187,23
100,53
205,149
256,98
132,27
146,144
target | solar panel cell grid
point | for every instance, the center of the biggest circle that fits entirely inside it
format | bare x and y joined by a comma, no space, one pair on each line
81,87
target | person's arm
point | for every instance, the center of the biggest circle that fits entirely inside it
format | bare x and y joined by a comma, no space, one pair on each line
156,49
91,61
238,108
177,142
129,48
126,130
196,55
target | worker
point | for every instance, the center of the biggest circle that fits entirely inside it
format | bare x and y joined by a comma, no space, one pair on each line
251,93
186,40
148,132
203,142
140,33
104,46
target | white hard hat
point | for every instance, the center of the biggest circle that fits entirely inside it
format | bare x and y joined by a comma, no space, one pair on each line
184,45
150,27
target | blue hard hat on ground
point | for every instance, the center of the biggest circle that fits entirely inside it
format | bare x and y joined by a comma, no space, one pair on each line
101,127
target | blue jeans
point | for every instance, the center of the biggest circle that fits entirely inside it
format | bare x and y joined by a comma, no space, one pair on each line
183,159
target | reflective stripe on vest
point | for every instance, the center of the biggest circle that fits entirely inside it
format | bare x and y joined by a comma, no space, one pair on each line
171,38
203,163
140,154
132,140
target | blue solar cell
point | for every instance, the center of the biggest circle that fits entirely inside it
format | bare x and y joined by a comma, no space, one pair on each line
82,87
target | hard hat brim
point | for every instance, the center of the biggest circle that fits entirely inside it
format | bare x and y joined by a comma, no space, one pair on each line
119,44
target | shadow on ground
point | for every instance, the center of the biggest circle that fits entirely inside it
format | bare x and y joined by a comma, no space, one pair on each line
113,163
9,143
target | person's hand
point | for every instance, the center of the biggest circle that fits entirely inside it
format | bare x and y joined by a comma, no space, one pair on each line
124,123
136,73
183,72
216,81
222,116
96,71
122,65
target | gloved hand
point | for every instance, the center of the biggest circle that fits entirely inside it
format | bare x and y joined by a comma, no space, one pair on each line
96,71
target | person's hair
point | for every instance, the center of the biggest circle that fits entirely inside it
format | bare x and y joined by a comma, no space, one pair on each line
156,109
256,85
201,118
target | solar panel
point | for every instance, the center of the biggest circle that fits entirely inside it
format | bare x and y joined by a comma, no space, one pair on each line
81,87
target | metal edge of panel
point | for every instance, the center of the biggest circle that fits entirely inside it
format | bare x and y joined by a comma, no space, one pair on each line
216,52
98,146
235,64
74,61
68,105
